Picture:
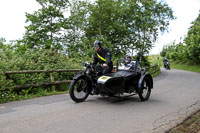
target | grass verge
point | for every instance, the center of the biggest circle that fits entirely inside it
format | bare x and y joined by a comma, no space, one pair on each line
156,74
190,125
9,97
192,68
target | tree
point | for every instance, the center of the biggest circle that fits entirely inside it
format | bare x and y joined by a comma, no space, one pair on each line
2,43
47,26
193,41
76,42
189,50
125,25
164,51
152,17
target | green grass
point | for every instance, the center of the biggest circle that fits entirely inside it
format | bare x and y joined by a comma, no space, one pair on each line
156,74
9,97
190,125
157,59
193,68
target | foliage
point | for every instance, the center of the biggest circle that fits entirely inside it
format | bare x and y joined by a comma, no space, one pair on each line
122,26
164,51
193,41
155,59
154,70
142,59
187,51
2,41
47,26
33,60
6,96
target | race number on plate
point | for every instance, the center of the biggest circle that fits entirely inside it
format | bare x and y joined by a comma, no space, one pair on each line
103,79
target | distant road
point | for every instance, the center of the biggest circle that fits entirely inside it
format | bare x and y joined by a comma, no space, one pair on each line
175,96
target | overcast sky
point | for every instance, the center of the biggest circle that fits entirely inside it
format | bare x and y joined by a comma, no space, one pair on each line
12,19
186,12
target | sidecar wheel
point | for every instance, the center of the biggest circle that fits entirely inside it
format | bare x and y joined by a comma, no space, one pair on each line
145,90
78,90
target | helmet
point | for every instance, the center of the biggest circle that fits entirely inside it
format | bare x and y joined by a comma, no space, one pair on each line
128,59
97,43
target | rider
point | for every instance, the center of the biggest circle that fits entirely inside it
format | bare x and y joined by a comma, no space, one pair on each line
128,63
103,57
165,60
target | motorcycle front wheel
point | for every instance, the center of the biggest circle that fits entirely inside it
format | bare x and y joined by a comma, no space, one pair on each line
78,90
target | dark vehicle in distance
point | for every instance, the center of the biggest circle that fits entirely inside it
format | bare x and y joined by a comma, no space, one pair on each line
129,79
167,65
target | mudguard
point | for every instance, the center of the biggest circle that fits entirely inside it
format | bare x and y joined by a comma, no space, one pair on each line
76,77
142,78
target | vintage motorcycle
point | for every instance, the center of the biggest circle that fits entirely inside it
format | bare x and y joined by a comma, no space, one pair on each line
130,80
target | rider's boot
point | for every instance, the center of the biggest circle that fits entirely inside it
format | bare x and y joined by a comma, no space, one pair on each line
95,90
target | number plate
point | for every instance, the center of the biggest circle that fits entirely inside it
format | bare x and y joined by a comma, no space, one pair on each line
103,79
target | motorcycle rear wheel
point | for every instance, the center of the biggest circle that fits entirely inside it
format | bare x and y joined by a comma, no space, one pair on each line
78,90
168,67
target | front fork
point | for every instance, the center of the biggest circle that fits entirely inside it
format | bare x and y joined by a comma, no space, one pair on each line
94,89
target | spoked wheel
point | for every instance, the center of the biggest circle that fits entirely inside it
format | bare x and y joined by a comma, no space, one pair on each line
145,91
79,89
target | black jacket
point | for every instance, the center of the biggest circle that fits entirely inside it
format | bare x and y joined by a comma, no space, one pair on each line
165,60
106,54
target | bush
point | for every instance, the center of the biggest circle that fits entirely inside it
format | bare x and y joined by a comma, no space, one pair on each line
34,60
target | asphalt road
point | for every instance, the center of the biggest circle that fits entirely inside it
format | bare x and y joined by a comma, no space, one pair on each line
175,96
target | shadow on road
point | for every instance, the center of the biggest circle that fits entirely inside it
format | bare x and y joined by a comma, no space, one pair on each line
119,100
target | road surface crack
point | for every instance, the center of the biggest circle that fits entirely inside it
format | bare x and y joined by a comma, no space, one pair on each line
170,120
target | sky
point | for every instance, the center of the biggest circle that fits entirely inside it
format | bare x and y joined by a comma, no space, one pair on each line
186,12
12,17
12,20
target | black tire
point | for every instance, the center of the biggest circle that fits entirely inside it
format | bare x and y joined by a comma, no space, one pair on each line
168,67
77,88
145,90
